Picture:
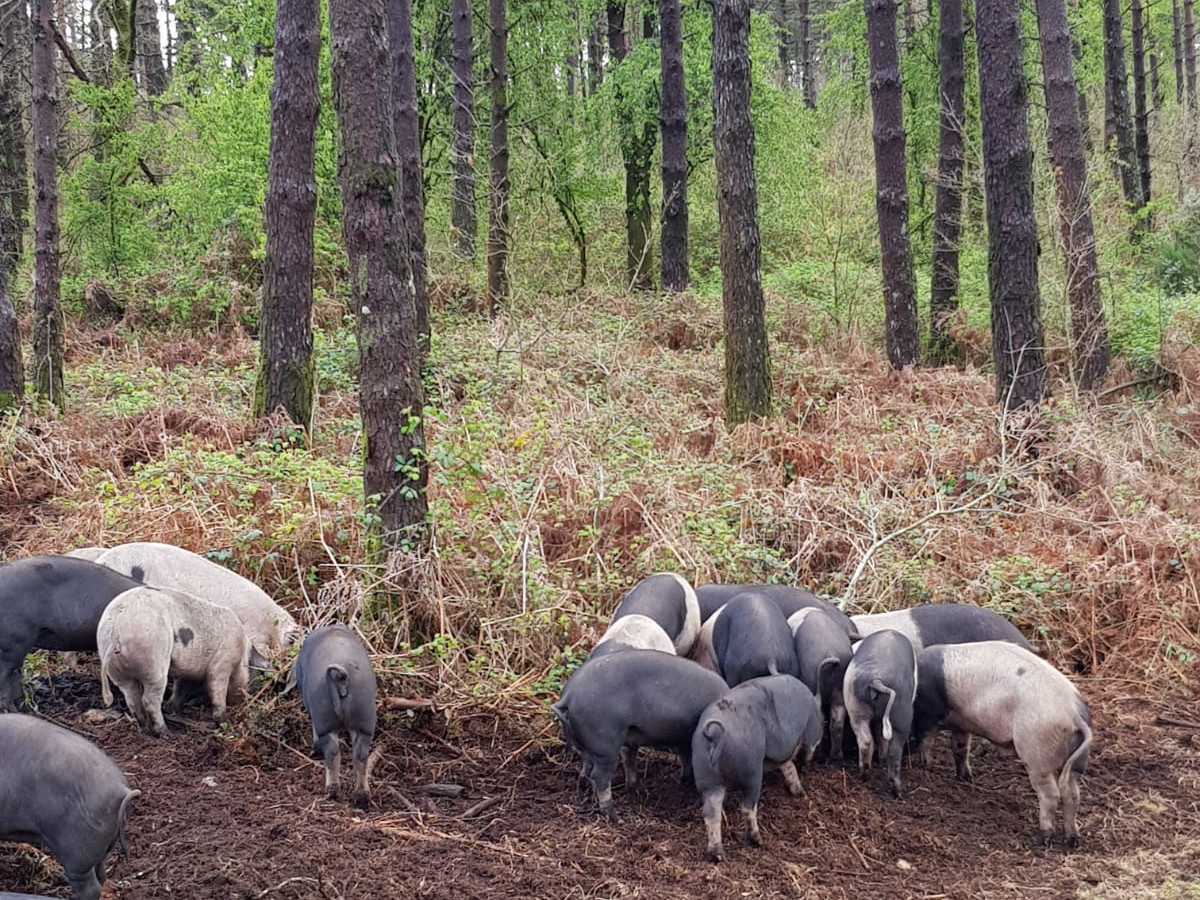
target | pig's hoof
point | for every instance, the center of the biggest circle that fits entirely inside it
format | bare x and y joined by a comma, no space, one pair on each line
1072,842
361,801
753,839
716,854
1039,843
331,793
895,787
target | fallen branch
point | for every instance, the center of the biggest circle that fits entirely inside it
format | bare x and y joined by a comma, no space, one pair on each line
407,703
485,804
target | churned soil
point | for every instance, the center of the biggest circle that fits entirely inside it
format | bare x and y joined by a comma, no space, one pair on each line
472,802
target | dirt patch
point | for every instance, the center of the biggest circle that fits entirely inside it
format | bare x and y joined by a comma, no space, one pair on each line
240,815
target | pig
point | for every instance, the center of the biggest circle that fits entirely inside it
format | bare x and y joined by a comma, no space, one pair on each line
631,699
269,625
748,637
878,689
51,603
337,688
670,601
712,597
1014,698
89,553
633,632
943,623
60,791
148,635
823,651
763,722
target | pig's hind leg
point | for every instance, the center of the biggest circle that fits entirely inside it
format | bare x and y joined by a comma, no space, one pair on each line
332,752
361,741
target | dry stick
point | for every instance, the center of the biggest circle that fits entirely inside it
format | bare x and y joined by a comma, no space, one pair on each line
1179,723
484,804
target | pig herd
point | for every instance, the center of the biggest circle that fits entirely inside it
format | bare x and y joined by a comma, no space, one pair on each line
740,679
155,615
736,679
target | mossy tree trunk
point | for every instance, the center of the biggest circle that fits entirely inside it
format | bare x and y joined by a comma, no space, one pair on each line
1018,341
47,312
391,396
286,375
1141,111
747,361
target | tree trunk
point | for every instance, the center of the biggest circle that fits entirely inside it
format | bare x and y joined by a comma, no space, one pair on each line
674,150
637,131
1084,119
891,185
1089,333
1118,98
783,34
595,53
1156,90
408,146
1141,130
391,396
1189,51
1177,46
12,368
149,48
747,361
808,71
47,314
14,172
462,147
947,213
1018,343
498,228
285,374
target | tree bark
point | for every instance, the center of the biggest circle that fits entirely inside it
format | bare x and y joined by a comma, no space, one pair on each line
285,374
1117,94
14,172
1189,51
891,185
1141,129
1018,343
1156,90
1177,43
808,69
498,226
1089,334
674,150
408,146
747,361
947,214
47,313
149,48
12,367
636,127
595,53
462,148
391,396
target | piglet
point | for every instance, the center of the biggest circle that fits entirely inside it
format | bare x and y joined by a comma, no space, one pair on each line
763,722
337,687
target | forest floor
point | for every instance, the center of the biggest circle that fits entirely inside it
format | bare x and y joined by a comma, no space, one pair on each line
240,815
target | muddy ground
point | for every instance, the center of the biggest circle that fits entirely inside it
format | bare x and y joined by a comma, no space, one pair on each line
239,815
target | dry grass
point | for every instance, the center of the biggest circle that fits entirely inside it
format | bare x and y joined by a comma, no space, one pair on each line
579,444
